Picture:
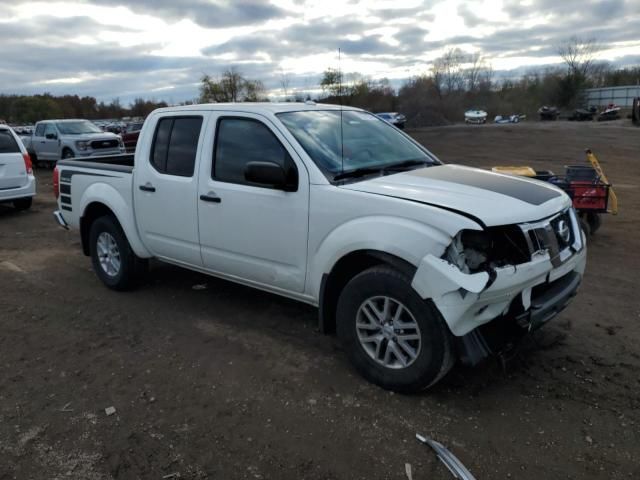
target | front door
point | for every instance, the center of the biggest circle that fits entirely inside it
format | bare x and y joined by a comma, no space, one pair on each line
252,232
49,144
166,188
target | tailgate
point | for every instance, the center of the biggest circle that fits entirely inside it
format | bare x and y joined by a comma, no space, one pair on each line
13,173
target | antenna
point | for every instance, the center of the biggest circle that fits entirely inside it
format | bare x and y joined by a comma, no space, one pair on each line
341,124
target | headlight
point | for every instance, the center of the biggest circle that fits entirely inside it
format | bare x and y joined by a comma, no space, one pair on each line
474,251
82,145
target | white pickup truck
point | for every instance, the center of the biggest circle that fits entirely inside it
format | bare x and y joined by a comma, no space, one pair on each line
414,263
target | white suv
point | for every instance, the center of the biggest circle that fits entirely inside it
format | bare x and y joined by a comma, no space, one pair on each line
17,183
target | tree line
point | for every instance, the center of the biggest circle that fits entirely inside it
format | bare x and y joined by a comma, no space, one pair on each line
32,108
455,82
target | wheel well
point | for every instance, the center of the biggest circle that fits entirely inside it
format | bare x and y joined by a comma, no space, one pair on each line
344,270
93,211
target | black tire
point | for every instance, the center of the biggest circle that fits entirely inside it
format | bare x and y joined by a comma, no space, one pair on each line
67,153
23,203
594,221
131,267
584,224
436,354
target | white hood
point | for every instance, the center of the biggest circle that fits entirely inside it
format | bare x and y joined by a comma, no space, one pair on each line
493,198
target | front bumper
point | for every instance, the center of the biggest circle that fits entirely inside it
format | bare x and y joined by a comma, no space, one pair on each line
101,153
466,302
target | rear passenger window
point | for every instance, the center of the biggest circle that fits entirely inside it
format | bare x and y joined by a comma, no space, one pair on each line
242,140
175,145
8,144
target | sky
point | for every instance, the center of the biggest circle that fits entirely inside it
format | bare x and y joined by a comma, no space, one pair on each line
159,49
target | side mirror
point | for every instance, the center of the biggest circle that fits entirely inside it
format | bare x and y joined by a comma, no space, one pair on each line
51,136
269,174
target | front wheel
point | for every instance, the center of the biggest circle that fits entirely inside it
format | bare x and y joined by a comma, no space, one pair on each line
113,260
393,337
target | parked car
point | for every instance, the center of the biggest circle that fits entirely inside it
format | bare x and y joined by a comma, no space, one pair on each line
475,116
547,113
130,136
17,183
394,118
414,263
53,140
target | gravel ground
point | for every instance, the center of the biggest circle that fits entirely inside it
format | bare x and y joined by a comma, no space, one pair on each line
226,382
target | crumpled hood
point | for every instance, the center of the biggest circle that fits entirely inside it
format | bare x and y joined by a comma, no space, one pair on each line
492,198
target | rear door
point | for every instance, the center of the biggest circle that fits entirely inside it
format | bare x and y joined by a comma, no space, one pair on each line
166,187
13,173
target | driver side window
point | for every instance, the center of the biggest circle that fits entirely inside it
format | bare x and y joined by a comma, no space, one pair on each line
50,129
243,140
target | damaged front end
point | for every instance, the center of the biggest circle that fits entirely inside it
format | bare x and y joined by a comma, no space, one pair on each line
495,284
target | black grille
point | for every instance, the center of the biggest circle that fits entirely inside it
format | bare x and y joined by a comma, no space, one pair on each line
98,144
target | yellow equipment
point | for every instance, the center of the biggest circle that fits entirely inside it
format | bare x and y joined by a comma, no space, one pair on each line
521,171
613,200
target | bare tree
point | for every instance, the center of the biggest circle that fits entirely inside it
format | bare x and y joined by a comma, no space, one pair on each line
231,86
447,72
478,74
284,83
579,55
332,81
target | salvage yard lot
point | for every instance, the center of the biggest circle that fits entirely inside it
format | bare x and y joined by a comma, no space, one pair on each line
226,382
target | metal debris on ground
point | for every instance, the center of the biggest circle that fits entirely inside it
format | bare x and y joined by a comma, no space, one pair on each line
407,470
172,475
110,411
66,408
455,466
200,286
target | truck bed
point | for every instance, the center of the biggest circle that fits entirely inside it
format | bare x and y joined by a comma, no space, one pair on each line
118,163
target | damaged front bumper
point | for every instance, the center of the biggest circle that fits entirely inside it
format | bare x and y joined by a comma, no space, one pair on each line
509,300
466,302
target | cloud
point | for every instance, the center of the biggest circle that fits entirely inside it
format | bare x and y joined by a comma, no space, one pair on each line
207,13
161,55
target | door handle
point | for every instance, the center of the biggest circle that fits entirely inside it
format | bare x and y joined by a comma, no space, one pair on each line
147,187
210,197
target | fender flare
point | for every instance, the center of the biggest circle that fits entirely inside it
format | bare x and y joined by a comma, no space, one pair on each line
111,198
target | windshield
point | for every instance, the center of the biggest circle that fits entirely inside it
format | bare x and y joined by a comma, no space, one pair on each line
368,142
77,128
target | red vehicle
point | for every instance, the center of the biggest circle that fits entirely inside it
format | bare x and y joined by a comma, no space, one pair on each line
130,136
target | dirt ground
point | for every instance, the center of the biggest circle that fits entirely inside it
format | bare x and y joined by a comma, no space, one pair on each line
226,382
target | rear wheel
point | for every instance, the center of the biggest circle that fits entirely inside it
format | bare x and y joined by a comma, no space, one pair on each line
23,203
394,338
113,260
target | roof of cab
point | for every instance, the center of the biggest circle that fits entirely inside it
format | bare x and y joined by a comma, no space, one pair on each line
256,107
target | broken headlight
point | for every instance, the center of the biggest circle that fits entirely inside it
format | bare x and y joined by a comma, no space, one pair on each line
475,251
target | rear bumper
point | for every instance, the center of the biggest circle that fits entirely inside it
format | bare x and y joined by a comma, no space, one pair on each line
28,190
60,219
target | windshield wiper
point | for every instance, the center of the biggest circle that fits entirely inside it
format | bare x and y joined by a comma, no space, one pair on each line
358,172
406,164
384,169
